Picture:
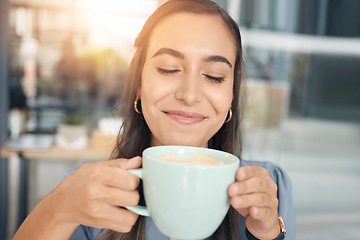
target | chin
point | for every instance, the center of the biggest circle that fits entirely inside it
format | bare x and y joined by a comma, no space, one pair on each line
185,142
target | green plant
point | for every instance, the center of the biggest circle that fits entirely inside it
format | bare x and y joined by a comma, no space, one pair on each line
74,120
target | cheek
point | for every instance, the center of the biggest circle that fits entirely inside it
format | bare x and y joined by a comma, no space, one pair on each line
221,100
155,87
149,85
153,91
148,81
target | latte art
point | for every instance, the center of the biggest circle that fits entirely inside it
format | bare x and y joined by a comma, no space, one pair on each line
197,159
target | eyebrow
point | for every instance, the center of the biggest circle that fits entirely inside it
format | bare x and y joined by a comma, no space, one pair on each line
177,54
217,58
169,51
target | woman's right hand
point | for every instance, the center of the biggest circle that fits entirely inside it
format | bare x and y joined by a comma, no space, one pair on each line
95,195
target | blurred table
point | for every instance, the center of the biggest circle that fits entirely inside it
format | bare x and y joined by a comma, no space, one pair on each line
32,146
56,153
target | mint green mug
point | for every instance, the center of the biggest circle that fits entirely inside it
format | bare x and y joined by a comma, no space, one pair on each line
185,189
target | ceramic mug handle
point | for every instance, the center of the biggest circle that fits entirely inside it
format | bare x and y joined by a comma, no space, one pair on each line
140,210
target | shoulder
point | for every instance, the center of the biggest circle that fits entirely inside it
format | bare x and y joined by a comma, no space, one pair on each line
265,164
278,175
86,233
71,170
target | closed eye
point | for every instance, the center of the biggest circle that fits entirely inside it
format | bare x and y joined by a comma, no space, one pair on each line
167,71
214,79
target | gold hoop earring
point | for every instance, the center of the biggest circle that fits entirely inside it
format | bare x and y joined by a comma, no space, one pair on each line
230,116
137,99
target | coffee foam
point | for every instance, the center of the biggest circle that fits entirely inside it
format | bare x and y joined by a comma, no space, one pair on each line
197,158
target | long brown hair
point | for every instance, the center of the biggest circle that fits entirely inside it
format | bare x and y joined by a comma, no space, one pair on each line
135,135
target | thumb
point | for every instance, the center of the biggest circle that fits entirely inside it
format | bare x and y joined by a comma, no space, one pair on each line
124,163
134,162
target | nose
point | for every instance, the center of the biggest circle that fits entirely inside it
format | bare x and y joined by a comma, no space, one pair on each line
189,90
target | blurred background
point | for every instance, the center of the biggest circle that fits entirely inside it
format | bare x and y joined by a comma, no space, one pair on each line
62,64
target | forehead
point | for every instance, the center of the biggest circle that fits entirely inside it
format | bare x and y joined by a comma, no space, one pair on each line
184,31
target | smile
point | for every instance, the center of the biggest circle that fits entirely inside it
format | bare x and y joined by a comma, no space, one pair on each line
185,117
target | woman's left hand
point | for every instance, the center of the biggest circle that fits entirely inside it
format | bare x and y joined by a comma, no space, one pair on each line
254,196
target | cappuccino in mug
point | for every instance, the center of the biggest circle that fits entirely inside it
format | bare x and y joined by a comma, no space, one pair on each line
185,189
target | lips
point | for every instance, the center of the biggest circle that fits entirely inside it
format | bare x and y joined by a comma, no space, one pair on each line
185,117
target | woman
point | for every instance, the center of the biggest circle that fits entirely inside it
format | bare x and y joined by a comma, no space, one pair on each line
183,88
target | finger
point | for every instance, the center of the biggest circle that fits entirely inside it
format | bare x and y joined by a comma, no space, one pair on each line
123,163
253,200
117,177
123,221
115,218
120,178
121,198
253,185
105,174
247,172
260,213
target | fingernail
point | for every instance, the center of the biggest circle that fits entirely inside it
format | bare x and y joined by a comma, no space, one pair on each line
132,160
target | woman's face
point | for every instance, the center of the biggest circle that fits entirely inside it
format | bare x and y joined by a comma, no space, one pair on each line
187,79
